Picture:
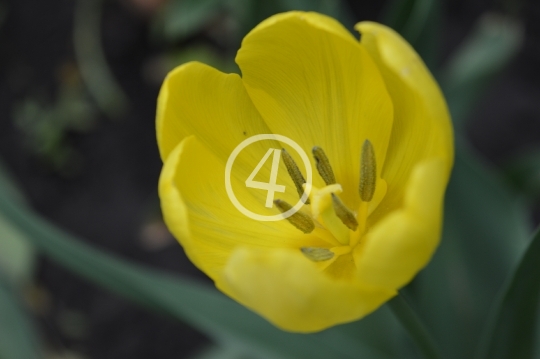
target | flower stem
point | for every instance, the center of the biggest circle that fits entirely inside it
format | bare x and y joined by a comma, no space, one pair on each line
414,326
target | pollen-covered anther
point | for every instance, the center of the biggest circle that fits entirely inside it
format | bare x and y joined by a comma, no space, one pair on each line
368,172
317,254
346,215
299,219
323,165
294,172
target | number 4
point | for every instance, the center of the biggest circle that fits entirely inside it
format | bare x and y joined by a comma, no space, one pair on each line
271,186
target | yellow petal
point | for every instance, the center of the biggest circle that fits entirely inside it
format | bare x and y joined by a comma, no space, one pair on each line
422,127
196,99
201,216
315,19
311,83
287,289
403,242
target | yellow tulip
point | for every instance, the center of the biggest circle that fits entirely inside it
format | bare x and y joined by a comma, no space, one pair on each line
382,144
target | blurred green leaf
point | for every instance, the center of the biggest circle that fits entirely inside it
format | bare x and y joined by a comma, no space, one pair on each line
418,21
16,254
486,224
17,337
221,352
523,174
180,19
95,71
473,66
408,17
199,305
485,231
512,330
45,127
9,187
380,330
416,328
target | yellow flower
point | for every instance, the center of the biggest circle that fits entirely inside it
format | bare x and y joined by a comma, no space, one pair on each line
382,146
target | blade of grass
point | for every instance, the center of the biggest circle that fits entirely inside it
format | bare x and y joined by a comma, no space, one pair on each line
18,340
16,254
474,65
486,230
522,172
93,66
418,21
415,327
180,19
512,329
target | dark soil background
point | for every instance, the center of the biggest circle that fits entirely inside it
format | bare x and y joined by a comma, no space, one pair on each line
108,197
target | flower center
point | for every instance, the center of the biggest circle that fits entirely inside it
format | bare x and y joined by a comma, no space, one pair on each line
325,214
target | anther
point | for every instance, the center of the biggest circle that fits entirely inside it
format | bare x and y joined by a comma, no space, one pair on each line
300,220
368,172
294,172
323,165
346,215
317,254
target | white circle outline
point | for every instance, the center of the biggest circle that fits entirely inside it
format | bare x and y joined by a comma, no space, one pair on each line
236,152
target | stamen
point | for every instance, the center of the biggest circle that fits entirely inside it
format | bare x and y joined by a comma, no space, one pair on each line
346,215
294,172
317,254
323,166
368,172
299,219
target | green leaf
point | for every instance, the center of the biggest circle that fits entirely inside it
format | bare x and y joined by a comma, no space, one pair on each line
512,331
220,352
9,187
91,60
180,19
408,17
485,231
18,339
486,224
201,306
484,53
523,174
415,327
418,21
16,254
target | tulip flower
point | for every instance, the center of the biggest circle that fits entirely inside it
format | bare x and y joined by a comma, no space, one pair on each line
379,139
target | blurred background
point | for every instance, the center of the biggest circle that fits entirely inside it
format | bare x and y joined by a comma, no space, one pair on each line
78,86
